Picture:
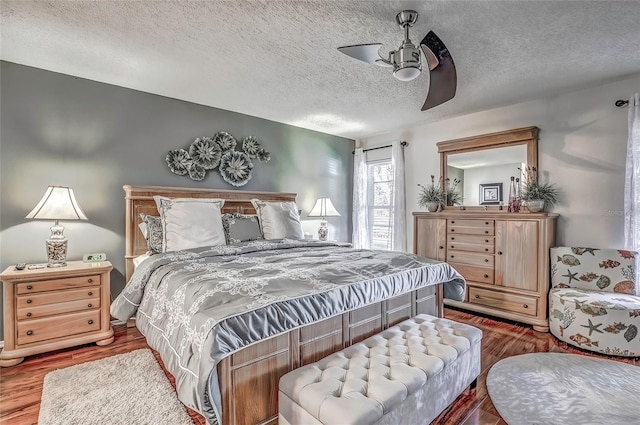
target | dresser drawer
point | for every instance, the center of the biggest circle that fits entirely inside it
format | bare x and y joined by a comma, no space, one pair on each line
459,230
472,239
471,258
470,223
33,312
30,331
474,273
34,300
510,302
471,247
57,284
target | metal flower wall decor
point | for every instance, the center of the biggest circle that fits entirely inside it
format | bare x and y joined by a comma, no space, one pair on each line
208,153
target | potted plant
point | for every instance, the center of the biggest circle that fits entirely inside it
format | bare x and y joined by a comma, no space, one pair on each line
453,197
431,196
538,196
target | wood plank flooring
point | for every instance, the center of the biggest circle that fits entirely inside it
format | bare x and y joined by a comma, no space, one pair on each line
21,385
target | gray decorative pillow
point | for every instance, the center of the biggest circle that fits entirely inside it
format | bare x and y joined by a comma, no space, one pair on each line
153,235
241,228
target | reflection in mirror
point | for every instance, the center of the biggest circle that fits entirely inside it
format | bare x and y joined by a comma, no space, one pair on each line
475,168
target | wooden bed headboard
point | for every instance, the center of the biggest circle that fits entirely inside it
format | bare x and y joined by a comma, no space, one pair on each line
139,199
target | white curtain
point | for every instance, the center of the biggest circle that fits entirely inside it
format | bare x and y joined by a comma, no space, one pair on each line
399,242
360,213
632,181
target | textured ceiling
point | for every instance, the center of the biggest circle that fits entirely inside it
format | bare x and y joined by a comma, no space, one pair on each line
278,59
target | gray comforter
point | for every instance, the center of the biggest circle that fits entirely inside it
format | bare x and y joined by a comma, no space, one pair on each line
198,306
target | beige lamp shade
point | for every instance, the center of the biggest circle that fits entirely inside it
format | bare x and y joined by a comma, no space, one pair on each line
58,203
324,208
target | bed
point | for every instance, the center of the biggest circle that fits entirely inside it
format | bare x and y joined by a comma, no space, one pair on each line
227,365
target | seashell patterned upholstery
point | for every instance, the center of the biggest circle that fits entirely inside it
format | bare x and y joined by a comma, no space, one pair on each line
408,373
594,302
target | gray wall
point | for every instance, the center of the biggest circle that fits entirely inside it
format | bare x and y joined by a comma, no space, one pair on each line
94,137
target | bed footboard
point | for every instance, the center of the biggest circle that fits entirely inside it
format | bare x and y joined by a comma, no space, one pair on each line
249,378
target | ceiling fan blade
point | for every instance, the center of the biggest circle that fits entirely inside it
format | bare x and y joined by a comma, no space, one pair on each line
442,74
369,53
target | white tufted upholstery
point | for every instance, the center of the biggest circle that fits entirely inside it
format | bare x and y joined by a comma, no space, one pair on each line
365,382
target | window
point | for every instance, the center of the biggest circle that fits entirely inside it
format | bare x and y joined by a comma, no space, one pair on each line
380,203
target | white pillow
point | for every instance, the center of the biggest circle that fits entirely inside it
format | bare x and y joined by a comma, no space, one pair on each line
190,222
278,219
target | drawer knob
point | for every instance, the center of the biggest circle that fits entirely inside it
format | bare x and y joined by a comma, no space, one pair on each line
29,333
499,252
90,322
28,314
453,230
486,249
453,222
90,293
452,238
486,276
452,256
452,246
486,222
90,280
29,287
441,247
477,296
525,305
29,301
486,241
486,231
90,305
486,260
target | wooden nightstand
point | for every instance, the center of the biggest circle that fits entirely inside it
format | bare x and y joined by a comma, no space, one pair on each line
52,308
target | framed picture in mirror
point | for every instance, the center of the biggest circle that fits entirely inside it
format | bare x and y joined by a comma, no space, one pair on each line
490,193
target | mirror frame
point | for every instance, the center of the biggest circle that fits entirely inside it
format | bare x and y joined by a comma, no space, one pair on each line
520,136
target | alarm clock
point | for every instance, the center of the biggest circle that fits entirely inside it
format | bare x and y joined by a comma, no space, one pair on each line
94,257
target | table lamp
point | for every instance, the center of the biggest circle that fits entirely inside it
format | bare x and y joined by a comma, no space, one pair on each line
323,208
58,203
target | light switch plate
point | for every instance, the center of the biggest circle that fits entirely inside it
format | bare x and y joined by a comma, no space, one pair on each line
94,257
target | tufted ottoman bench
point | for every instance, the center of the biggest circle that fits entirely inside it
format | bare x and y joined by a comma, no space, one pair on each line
407,374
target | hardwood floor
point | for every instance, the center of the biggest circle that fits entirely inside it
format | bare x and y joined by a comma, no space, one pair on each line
21,385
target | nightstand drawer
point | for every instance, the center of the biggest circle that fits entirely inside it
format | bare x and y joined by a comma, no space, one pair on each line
33,312
57,284
28,301
31,331
470,223
504,301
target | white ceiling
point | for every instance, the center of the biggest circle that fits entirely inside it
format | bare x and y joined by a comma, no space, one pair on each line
278,59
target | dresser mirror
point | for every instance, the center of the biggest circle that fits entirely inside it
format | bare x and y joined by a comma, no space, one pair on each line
483,165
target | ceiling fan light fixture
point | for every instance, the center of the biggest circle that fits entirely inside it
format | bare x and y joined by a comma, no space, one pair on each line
407,73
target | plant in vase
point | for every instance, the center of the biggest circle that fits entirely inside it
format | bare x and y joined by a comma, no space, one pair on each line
538,196
453,197
431,196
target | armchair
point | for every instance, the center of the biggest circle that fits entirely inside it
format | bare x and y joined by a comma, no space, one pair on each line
594,302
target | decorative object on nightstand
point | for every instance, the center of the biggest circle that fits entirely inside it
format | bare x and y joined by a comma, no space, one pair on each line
323,208
52,308
58,203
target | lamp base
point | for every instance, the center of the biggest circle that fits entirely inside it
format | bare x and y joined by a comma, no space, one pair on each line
57,247
323,231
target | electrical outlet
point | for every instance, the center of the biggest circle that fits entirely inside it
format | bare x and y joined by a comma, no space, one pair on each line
94,257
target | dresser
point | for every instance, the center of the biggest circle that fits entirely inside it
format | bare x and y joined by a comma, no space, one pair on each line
504,258
52,308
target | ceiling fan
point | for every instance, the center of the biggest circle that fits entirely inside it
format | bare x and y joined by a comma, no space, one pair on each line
407,61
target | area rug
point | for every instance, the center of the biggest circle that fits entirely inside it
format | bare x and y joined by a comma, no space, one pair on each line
125,389
555,388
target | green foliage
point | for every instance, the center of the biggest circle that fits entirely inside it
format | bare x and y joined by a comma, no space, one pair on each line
532,189
453,197
431,193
